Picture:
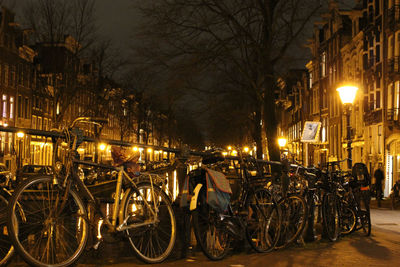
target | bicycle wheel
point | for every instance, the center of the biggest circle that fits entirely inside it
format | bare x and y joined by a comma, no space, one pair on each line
364,213
152,242
348,220
263,221
330,216
209,229
54,228
293,219
6,248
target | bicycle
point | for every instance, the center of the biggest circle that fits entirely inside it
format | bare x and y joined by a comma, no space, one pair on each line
253,216
6,248
60,211
292,205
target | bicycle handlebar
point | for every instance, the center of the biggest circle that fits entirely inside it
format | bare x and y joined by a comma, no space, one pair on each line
95,120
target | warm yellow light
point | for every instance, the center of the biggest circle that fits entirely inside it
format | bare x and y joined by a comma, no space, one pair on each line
135,148
224,153
149,150
347,93
102,146
282,141
20,134
229,148
246,149
234,153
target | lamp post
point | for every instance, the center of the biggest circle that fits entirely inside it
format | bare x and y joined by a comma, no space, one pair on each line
282,143
347,95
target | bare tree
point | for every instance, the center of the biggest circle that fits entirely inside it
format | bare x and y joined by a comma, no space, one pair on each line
63,30
243,40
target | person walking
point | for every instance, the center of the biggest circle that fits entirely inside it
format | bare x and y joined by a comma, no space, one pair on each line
378,174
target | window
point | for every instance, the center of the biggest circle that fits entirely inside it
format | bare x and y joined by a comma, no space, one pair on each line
34,119
20,108
6,75
378,53
11,107
323,64
26,107
39,123
4,99
379,139
378,99
390,47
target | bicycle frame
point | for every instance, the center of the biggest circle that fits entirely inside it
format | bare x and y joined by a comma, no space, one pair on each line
117,198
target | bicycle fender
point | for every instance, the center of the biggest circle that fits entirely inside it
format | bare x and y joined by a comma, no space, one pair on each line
193,200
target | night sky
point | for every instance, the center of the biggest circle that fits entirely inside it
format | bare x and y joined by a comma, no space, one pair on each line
114,19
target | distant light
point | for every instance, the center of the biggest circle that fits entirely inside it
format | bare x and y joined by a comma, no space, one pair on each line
234,153
135,148
282,141
347,93
149,150
246,149
20,134
229,148
102,146
224,153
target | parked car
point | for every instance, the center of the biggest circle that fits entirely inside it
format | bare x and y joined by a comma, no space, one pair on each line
28,171
5,176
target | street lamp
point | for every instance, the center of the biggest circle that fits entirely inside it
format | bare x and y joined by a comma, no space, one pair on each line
282,142
102,148
347,95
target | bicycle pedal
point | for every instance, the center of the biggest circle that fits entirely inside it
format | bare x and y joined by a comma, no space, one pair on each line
97,244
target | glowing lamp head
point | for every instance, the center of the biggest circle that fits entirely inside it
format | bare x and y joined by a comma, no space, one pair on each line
135,148
347,93
102,147
20,134
282,142
149,150
246,149
229,148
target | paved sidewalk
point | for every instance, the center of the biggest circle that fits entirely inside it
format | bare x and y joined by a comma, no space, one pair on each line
382,248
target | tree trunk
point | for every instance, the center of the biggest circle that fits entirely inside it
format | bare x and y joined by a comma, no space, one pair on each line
270,120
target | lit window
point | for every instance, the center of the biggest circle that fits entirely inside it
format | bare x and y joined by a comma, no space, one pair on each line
11,107
4,106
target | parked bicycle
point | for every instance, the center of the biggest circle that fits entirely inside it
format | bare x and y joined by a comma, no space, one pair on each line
253,216
60,213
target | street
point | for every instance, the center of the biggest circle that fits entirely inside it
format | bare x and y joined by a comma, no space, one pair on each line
381,249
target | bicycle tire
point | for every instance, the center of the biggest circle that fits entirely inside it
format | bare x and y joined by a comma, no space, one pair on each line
6,247
294,215
348,220
330,215
263,221
50,234
210,234
136,211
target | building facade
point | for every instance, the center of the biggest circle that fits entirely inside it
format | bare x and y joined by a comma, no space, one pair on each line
360,46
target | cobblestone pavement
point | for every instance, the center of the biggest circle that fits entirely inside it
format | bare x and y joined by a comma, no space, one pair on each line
381,249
